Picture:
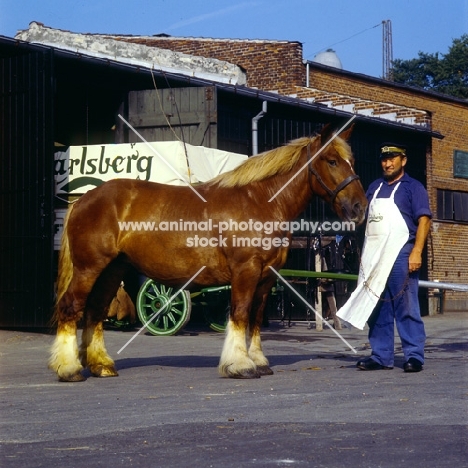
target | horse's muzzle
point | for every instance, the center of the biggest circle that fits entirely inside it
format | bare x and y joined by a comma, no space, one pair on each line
355,213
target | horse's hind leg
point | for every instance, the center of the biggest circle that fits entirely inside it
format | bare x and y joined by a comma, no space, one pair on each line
64,353
93,352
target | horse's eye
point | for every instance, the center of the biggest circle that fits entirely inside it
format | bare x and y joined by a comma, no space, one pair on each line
332,162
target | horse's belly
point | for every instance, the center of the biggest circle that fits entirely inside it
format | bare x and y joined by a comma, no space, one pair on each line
175,265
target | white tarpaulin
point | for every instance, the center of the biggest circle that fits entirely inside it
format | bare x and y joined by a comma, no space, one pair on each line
82,168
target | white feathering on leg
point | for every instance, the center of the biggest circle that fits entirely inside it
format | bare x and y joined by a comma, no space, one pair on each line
64,355
234,358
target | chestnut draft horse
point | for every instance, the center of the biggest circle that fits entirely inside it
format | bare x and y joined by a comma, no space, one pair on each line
96,250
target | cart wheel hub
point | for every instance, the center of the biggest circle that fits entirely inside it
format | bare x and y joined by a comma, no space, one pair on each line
160,302
162,311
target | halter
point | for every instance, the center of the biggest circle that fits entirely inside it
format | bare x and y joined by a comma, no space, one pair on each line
339,187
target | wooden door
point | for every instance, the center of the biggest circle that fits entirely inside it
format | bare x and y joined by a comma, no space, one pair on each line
186,114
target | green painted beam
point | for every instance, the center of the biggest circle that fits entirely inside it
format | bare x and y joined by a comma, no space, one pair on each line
318,274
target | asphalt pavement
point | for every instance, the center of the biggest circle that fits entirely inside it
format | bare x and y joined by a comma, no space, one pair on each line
170,408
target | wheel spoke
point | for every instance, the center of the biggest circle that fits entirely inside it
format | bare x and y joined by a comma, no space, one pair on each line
171,317
175,315
152,297
156,289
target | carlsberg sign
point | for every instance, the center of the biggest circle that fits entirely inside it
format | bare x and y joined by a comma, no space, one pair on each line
81,168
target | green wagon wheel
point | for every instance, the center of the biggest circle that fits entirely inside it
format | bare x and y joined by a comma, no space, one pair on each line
152,298
218,307
218,322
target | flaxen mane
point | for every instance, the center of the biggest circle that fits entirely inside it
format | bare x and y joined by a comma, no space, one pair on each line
277,161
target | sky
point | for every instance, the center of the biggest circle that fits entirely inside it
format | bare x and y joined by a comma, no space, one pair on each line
352,28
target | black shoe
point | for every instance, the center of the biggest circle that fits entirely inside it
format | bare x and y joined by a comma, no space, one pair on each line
412,365
370,364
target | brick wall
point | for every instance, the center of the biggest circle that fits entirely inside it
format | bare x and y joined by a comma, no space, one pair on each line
278,66
270,65
448,242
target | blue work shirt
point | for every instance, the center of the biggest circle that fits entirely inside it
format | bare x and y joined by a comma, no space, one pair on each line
411,199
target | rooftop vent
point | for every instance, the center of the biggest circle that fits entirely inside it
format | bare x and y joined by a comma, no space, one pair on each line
328,58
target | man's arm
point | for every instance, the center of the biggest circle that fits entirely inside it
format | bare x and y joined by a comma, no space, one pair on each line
415,258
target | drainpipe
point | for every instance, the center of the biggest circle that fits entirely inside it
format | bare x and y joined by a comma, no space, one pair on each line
255,128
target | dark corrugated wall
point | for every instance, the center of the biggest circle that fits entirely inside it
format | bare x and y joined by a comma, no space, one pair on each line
26,187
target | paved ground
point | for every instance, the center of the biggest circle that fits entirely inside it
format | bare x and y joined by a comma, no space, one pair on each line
169,407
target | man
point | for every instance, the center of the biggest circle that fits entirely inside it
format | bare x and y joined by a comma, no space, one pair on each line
397,227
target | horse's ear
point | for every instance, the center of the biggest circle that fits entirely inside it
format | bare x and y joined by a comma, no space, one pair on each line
345,134
328,130
326,133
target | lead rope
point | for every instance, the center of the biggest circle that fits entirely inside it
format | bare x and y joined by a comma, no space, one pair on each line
380,298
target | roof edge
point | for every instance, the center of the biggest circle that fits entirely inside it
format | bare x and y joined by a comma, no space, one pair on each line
135,54
388,83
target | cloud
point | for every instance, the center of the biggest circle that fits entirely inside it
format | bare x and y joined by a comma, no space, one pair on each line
211,15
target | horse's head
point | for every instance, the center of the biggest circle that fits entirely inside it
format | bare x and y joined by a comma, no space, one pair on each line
332,175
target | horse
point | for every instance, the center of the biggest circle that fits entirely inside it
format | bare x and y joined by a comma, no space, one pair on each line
253,203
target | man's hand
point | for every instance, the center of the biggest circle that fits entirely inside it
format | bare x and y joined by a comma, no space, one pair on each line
415,258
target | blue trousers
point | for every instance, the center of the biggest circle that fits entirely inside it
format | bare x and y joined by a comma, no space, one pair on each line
400,305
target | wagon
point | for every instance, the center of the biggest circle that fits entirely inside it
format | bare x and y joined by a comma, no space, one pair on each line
164,310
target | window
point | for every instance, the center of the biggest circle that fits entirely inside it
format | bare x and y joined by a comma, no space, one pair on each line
452,205
460,164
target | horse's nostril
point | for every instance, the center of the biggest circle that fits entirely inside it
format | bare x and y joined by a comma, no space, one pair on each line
358,211
359,207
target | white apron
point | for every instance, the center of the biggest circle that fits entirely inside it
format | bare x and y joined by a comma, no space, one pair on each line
386,234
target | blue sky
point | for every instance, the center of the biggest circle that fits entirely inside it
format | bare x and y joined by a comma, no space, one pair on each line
353,28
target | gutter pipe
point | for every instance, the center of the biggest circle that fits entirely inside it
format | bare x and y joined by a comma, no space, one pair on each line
255,128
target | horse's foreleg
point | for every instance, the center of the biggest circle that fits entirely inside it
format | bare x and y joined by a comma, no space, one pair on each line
256,319
256,353
235,361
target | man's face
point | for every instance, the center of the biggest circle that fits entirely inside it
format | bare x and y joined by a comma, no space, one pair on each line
393,167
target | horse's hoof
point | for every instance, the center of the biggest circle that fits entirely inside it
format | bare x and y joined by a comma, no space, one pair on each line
246,374
72,378
104,371
264,370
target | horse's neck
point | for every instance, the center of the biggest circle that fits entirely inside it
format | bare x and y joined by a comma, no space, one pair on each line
289,193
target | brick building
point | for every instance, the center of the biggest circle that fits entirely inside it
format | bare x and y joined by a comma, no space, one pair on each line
77,86
278,66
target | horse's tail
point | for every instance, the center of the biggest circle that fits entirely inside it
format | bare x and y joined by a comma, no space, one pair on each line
65,267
